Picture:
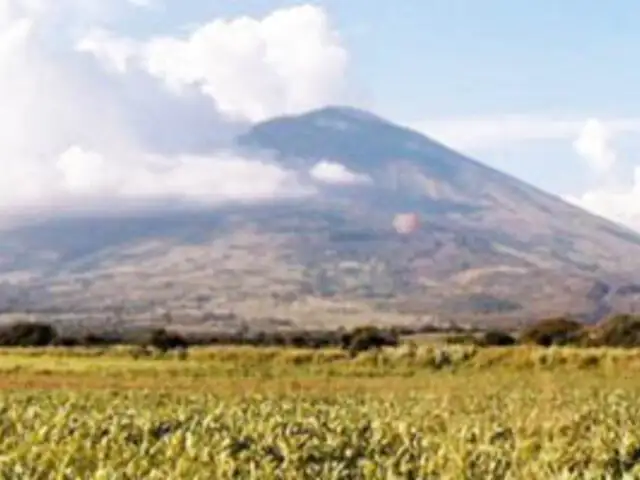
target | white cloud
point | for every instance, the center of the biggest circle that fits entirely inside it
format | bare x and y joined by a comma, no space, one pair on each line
286,63
73,132
593,144
110,49
80,12
615,196
481,132
191,178
337,174
619,204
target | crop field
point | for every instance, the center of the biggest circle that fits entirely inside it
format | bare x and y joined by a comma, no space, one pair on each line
448,412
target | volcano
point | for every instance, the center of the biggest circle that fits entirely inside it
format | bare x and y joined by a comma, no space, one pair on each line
482,247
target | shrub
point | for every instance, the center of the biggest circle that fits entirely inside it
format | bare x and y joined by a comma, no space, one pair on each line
617,331
67,342
101,339
553,331
26,334
366,338
317,340
165,341
497,338
403,330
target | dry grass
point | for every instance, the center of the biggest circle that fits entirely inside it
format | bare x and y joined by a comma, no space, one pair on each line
239,369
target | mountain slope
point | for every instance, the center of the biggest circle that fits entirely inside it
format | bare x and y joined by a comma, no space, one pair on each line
410,170
489,247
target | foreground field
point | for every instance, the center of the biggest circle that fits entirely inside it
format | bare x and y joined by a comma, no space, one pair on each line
240,413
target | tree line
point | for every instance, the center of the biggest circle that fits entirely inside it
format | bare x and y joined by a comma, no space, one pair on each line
617,331
38,334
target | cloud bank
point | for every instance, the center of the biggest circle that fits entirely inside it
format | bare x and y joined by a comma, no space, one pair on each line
90,115
616,194
476,133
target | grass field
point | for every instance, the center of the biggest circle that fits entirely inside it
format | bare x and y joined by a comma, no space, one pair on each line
434,412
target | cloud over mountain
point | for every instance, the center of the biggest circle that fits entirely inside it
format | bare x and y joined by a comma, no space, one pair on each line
337,174
89,115
616,194
614,186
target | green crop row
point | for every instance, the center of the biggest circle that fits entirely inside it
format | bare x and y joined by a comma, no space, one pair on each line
520,432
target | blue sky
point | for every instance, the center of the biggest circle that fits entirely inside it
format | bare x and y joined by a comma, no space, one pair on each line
462,57
544,91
